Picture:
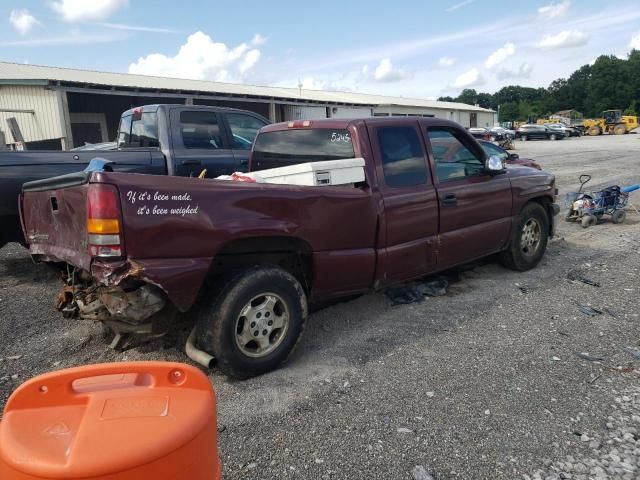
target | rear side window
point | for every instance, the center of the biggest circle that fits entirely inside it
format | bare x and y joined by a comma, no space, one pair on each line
141,131
290,147
403,159
244,129
200,130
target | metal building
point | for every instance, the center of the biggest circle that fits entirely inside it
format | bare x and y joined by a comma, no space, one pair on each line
59,108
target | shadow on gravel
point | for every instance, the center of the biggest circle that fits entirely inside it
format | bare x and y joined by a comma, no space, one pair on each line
22,270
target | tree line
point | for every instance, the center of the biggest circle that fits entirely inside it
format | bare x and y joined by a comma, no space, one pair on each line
609,83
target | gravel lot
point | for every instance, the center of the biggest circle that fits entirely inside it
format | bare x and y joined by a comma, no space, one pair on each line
504,377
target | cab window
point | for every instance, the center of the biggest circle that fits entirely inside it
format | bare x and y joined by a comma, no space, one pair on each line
200,130
403,160
244,129
453,159
494,150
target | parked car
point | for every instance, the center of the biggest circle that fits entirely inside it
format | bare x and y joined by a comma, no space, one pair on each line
178,140
486,134
541,132
249,258
505,156
502,132
567,131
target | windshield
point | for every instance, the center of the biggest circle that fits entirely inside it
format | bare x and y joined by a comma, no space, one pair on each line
290,147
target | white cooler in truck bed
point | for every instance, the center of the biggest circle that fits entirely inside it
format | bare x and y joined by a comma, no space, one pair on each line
331,172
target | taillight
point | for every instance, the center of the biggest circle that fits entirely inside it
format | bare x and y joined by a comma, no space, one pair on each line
103,221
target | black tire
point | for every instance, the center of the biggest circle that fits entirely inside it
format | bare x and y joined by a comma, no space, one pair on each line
588,220
523,138
514,257
618,216
219,318
553,137
569,217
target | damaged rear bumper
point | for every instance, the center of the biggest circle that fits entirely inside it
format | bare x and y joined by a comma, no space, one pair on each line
111,303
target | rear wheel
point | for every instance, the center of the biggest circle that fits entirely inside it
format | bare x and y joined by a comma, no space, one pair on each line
588,220
553,137
528,240
618,216
620,129
523,138
252,325
594,131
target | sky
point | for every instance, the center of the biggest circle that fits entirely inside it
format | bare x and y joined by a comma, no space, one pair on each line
419,49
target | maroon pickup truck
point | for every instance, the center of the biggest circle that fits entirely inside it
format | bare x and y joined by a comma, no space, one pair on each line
248,258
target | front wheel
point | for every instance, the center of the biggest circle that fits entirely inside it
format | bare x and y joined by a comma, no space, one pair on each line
523,138
552,136
252,325
588,220
528,239
618,216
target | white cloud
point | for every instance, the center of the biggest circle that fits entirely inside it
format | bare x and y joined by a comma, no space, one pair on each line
258,40
200,58
456,6
446,61
385,72
470,78
86,10
500,55
22,21
524,71
554,10
564,39
635,42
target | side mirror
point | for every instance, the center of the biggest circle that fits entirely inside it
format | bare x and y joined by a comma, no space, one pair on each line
514,156
494,164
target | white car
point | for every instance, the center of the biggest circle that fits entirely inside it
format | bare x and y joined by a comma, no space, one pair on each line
505,132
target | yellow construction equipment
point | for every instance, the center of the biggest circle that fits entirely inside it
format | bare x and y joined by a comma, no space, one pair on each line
612,122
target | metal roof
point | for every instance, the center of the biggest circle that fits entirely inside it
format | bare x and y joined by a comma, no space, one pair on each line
24,74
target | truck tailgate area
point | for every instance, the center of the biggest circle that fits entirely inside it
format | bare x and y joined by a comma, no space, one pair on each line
54,220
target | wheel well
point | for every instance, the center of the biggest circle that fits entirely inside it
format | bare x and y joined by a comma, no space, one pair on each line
545,202
291,254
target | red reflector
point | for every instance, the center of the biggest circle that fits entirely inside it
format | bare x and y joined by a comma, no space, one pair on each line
102,202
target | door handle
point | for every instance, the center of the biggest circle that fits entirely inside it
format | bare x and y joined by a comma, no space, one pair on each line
450,199
192,162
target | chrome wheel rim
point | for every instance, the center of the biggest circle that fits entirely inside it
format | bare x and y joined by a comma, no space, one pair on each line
531,237
262,325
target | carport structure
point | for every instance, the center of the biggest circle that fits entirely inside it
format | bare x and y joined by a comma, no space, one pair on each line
61,108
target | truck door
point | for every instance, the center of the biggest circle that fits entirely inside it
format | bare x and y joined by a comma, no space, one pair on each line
243,128
200,143
475,207
410,222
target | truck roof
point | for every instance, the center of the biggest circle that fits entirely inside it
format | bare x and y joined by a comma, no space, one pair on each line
156,106
344,123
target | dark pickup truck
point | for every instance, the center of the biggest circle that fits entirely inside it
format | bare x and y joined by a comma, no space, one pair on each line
248,258
156,139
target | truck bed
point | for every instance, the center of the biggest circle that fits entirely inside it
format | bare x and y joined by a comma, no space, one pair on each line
174,227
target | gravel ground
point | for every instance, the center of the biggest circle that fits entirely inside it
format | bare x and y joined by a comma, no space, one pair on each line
504,377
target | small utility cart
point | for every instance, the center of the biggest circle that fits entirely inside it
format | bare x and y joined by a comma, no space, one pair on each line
589,208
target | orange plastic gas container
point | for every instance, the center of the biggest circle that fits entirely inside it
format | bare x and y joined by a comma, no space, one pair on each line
119,421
